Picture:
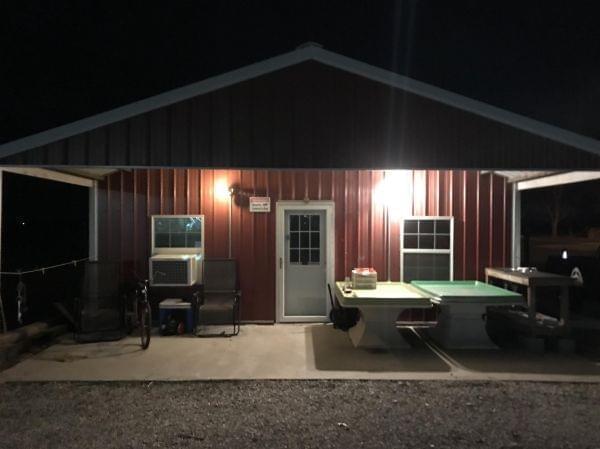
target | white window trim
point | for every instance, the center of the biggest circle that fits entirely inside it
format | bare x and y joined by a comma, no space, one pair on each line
189,250
450,251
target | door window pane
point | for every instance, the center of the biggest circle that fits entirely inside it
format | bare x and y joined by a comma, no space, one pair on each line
304,240
304,223
294,240
294,220
315,222
304,257
294,256
314,256
315,240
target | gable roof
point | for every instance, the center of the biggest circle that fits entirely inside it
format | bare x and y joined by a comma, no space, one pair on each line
306,52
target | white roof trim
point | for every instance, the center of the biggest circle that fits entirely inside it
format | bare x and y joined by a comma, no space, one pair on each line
558,179
288,59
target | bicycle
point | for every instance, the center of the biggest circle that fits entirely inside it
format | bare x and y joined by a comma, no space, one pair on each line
144,313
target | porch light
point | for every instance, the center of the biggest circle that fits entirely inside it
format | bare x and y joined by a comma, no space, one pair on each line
222,190
394,192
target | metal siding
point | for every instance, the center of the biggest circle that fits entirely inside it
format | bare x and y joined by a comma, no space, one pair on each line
311,116
127,199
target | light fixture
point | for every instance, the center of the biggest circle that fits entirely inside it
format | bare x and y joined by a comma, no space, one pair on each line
564,255
394,192
222,190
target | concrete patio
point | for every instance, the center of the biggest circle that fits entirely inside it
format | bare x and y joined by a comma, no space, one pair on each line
289,351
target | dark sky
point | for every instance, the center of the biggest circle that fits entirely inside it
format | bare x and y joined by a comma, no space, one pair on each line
61,61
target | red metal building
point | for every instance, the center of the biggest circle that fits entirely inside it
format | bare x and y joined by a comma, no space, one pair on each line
309,125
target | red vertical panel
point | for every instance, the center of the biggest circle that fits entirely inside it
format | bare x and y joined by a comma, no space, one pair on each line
470,233
300,185
497,228
220,210
239,204
339,196
179,191
444,193
287,184
351,219
313,184
377,235
245,228
263,260
207,179
433,190
419,192
193,191
363,240
326,184
459,223
141,223
166,191
114,217
128,231
154,205
484,239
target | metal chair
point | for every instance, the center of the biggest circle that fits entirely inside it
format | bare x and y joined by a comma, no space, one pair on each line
219,303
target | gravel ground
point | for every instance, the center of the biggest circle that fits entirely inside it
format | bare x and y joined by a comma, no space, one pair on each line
323,414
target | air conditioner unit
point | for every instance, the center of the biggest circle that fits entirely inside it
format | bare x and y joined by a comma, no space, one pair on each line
175,270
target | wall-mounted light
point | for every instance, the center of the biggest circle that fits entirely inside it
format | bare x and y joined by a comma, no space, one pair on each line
564,255
394,192
222,190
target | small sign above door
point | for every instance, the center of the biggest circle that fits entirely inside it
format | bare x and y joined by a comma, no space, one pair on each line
260,204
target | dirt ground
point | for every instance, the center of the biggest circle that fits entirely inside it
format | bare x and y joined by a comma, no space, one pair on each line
319,414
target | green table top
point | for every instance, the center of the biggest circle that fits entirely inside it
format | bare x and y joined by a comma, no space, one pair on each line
386,294
467,291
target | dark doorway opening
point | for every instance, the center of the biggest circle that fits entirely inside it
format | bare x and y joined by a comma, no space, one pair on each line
43,223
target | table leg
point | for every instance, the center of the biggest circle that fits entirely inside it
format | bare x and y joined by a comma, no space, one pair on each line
532,306
564,307
376,328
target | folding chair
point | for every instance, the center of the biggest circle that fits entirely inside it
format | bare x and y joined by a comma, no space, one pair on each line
219,304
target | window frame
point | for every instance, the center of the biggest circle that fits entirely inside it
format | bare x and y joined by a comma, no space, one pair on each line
182,250
449,252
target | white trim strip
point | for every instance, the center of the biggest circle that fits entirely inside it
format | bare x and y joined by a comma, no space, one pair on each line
559,179
288,59
51,175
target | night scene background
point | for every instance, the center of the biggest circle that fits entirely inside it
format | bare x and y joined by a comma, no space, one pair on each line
63,61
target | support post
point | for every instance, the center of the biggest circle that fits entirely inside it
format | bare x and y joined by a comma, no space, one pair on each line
516,227
93,222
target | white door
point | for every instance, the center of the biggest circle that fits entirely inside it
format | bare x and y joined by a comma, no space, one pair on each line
305,250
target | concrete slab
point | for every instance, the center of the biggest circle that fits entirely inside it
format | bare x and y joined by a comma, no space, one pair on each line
285,351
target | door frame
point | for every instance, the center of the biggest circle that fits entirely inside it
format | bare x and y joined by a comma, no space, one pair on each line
281,208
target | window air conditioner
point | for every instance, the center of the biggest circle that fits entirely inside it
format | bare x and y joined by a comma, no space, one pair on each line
175,270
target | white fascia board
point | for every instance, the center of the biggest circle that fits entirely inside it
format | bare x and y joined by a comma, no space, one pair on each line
289,59
51,175
559,179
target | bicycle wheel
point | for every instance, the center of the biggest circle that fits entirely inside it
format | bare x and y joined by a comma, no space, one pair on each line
145,324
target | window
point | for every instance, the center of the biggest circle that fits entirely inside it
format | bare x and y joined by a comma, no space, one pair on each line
426,247
305,239
180,233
